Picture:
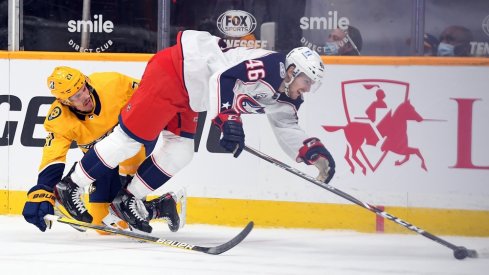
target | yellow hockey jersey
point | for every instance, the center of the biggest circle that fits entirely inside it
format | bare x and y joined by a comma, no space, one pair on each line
64,125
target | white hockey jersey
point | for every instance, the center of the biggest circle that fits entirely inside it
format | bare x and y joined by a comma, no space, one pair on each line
243,79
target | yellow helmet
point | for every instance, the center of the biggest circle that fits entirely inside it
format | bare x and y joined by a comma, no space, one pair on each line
65,82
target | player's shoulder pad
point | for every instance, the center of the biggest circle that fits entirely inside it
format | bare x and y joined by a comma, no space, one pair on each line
105,77
56,110
275,60
59,117
54,113
275,68
100,79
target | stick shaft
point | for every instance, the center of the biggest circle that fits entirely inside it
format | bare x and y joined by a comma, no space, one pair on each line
350,198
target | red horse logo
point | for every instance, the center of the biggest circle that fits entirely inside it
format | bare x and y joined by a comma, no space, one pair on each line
363,132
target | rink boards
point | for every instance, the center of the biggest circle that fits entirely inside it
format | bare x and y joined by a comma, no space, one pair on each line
436,109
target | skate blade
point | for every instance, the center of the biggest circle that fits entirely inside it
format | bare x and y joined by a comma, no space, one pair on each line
181,198
113,220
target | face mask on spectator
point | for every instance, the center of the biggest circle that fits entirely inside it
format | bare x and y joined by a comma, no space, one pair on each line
331,48
445,49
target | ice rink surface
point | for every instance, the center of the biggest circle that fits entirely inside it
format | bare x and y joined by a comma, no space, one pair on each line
62,250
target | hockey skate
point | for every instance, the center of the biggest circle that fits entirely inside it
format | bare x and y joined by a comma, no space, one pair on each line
68,194
165,207
128,208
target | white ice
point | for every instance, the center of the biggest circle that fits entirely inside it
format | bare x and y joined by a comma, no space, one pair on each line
62,250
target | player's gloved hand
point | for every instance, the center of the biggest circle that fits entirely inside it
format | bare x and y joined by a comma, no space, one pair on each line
231,126
314,152
40,201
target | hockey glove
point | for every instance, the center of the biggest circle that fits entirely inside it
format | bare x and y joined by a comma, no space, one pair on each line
314,152
231,128
40,202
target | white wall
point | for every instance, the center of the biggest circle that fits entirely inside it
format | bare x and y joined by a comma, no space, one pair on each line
432,92
4,113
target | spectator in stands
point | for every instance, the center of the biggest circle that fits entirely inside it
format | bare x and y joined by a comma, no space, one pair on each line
430,45
344,42
455,41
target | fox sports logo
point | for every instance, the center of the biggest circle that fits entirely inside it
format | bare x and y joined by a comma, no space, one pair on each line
236,23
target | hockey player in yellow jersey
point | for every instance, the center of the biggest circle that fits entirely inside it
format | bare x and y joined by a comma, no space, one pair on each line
85,111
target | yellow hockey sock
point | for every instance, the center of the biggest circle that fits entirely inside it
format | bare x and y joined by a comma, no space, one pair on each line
99,210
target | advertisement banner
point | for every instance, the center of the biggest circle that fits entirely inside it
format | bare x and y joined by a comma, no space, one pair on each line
410,136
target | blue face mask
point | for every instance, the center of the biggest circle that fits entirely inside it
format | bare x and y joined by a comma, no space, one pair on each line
445,49
331,48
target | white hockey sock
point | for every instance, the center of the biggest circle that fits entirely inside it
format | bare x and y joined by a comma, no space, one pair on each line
80,177
138,188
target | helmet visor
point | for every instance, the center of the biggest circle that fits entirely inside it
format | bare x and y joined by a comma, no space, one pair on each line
306,83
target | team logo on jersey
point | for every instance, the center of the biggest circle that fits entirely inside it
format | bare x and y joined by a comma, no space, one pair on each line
282,70
260,95
377,114
56,112
236,23
247,105
49,139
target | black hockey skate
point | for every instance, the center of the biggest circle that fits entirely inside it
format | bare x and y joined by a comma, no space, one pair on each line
128,208
164,207
69,195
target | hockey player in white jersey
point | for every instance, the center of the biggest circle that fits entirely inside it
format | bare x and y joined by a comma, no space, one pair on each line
198,75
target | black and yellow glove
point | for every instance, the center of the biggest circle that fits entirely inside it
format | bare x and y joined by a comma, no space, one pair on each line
40,202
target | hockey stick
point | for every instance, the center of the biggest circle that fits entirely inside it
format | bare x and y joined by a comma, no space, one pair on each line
214,250
459,252
59,210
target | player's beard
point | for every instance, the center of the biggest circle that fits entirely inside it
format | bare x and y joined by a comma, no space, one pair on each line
88,106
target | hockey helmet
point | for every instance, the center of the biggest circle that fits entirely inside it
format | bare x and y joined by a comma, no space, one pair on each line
64,82
305,61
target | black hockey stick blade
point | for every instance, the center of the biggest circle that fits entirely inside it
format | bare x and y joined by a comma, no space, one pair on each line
214,250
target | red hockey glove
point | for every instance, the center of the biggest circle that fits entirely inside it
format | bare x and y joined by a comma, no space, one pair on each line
314,152
231,126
